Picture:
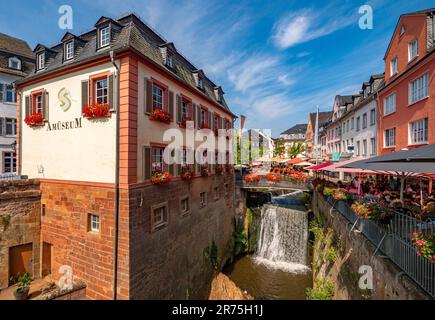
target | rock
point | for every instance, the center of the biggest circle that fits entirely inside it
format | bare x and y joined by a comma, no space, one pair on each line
222,288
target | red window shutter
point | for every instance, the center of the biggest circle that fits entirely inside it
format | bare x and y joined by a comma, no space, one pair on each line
171,104
149,96
146,162
85,94
179,108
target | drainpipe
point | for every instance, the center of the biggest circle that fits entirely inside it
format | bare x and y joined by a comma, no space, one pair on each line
115,245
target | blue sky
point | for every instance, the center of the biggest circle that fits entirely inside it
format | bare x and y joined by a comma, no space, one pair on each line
274,59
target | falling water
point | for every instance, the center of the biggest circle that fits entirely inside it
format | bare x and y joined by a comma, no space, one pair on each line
283,238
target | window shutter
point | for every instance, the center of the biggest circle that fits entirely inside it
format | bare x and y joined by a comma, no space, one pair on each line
198,116
171,167
85,94
2,92
194,114
111,97
191,160
146,163
171,104
213,126
178,109
27,106
149,96
2,130
45,103
209,114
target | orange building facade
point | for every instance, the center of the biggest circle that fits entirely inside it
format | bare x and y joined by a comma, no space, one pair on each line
407,101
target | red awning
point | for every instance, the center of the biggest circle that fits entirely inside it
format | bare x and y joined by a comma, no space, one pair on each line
319,166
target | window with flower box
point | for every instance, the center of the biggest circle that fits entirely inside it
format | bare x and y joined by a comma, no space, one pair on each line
101,91
418,131
158,97
38,103
157,159
159,216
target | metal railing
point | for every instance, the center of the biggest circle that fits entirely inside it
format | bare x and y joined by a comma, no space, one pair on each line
9,176
394,240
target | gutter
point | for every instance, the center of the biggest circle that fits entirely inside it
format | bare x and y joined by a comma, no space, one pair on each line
115,244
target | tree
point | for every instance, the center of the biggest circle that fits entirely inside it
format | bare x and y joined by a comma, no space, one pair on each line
279,148
296,149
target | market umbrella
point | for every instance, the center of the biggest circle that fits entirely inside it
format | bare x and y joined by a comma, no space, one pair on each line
303,164
405,163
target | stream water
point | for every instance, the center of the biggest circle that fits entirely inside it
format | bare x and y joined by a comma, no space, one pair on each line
279,268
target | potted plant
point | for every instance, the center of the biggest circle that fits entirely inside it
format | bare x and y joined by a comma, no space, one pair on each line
186,175
35,120
425,245
96,111
160,177
23,286
341,195
160,116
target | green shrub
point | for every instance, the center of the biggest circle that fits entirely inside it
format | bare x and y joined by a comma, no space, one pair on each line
323,290
332,255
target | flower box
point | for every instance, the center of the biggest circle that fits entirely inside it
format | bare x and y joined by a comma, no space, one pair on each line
96,111
273,177
160,178
35,120
186,175
370,210
160,116
252,178
425,245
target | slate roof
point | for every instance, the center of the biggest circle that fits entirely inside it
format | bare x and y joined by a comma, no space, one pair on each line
13,47
298,128
136,35
324,118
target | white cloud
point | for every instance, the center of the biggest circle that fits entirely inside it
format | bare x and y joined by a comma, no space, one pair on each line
307,24
285,79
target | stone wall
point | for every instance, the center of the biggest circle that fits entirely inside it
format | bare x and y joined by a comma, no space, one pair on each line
223,288
339,254
175,262
20,209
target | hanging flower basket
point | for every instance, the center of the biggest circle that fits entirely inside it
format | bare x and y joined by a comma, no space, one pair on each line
252,178
183,122
219,170
35,120
425,245
160,116
96,111
160,178
186,175
370,210
273,177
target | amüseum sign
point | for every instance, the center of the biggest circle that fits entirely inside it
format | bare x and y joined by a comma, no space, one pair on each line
64,125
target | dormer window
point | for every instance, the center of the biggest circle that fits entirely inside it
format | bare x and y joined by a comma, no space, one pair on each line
170,60
69,50
15,63
218,94
40,63
200,83
104,36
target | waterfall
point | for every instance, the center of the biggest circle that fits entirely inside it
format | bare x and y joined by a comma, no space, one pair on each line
283,238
